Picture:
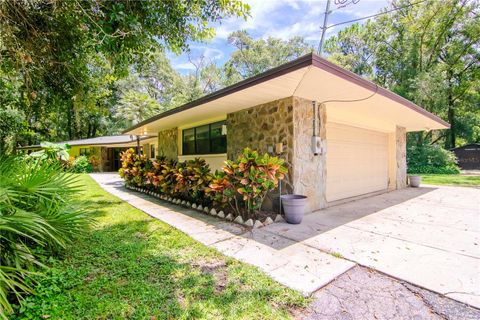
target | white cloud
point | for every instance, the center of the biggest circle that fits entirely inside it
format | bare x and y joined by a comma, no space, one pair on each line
282,19
184,66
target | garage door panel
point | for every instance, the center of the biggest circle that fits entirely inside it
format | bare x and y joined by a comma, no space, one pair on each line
357,161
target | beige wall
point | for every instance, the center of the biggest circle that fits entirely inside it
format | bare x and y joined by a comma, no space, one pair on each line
215,161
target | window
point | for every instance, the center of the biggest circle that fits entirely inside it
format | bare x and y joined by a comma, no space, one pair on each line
84,151
206,139
152,151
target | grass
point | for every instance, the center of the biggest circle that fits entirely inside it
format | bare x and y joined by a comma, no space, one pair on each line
131,266
451,179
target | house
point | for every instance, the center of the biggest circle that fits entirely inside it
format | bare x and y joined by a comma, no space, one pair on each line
341,135
107,149
468,156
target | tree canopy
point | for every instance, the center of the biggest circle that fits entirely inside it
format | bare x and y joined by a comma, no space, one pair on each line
428,53
61,58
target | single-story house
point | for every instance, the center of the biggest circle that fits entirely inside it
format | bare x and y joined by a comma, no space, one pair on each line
468,156
107,149
342,135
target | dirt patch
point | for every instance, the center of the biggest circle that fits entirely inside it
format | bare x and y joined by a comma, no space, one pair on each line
217,268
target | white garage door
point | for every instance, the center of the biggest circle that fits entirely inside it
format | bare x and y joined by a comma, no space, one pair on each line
357,161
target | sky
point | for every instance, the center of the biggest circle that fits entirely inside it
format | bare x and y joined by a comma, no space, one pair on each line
278,18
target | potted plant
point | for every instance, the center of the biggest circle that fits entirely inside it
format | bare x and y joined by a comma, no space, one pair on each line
415,181
294,207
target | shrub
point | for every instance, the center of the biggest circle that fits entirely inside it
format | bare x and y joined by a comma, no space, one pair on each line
245,182
134,168
431,159
242,184
81,165
36,219
94,161
192,178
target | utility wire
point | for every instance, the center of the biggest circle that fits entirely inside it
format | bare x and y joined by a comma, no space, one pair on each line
374,15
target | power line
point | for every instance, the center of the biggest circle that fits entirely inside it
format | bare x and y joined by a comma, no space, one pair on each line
374,15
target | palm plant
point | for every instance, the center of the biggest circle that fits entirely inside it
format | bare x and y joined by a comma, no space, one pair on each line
36,218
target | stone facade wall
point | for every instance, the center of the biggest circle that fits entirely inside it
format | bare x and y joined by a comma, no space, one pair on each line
288,121
401,157
309,176
261,127
168,143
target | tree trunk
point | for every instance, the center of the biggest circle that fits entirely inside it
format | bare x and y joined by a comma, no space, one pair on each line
451,134
450,141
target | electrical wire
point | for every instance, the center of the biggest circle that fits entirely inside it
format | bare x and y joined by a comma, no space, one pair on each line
374,15
353,100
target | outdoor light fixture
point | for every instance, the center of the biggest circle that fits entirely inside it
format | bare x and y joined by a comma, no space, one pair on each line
224,129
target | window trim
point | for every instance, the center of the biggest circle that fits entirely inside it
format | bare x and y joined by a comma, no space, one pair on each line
223,122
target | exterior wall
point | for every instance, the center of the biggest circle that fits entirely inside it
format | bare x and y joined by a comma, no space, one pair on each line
215,161
167,143
288,121
401,157
309,170
260,128
99,152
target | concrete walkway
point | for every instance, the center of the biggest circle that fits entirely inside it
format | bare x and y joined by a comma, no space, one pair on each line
291,263
428,236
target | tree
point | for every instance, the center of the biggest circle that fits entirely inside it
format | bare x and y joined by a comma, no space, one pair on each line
255,56
428,53
67,54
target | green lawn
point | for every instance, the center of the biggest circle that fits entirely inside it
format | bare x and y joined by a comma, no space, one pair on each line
131,266
451,179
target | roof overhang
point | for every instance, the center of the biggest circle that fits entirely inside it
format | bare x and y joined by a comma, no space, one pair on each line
105,141
349,99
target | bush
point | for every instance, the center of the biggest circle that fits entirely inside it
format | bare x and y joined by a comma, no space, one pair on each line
431,159
244,183
36,220
81,164
192,178
94,161
134,168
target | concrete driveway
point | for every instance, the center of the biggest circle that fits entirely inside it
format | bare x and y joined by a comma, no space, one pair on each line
428,236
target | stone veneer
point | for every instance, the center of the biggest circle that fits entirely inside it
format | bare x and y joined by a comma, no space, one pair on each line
309,170
288,121
401,157
261,127
167,143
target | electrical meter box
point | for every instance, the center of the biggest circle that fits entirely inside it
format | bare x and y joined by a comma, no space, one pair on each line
316,145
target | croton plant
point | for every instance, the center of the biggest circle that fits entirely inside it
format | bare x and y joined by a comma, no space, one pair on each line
242,184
